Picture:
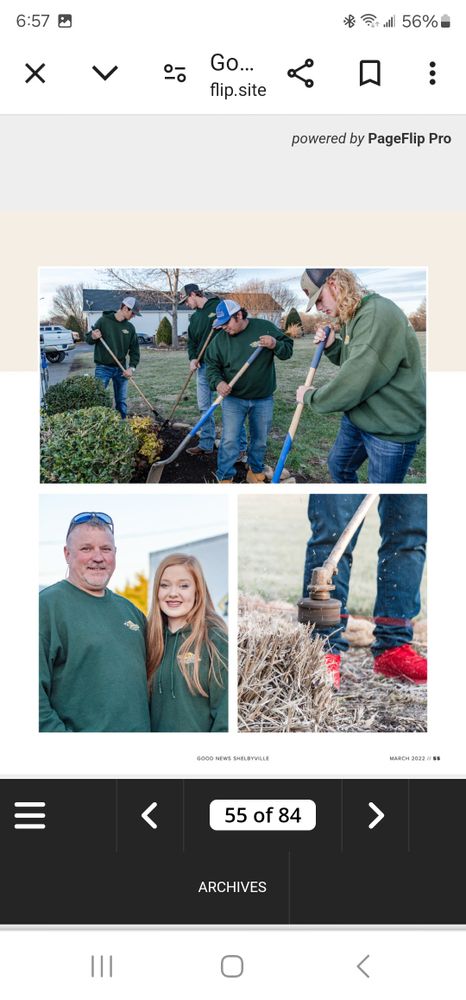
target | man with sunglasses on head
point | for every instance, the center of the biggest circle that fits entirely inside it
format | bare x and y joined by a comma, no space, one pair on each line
92,657
120,335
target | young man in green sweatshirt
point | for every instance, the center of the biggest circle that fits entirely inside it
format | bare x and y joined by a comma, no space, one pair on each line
121,337
92,654
252,395
199,330
380,386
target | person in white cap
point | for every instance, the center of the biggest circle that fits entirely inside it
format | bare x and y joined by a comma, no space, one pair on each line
120,335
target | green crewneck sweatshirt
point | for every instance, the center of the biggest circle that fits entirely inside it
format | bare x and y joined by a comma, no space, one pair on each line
200,326
381,384
121,337
92,663
226,354
173,708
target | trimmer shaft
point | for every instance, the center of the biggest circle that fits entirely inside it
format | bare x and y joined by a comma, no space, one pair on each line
324,614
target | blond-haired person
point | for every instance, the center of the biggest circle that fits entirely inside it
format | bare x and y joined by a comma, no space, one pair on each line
187,652
380,386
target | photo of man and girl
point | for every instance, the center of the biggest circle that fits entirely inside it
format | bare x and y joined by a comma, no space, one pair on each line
106,666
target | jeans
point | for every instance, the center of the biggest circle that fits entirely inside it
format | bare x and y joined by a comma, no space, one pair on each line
120,385
234,414
205,398
388,460
401,557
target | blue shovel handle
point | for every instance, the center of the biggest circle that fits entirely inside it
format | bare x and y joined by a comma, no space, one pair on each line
288,442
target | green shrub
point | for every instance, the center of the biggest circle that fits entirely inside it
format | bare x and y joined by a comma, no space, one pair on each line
293,319
87,446
76,393
164,332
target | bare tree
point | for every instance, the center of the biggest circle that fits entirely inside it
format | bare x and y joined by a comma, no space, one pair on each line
418,319
167,283
68,306
264,297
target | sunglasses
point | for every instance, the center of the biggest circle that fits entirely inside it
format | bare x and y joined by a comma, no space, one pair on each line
88,515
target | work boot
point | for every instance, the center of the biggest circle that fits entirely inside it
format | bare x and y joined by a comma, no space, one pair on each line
402,662
333,663
255,477
196,450
217,480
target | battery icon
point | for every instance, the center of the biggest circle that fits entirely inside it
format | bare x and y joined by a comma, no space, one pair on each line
445,21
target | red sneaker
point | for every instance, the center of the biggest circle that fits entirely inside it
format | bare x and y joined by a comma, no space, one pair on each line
333,662
403,662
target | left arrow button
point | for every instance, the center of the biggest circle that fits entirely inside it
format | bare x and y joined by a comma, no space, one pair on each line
105,76
146,815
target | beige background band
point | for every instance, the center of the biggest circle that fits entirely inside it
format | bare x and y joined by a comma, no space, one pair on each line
358,239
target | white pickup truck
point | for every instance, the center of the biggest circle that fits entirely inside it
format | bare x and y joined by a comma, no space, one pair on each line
56,341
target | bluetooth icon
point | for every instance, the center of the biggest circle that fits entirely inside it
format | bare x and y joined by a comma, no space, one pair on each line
350,21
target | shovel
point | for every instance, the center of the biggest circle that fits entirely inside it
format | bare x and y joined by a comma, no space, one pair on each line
180,394
131,379
288,442
155,471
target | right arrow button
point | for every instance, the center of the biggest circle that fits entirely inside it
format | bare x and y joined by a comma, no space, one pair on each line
379,816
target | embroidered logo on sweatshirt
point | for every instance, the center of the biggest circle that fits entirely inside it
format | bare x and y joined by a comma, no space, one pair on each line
132,626
188,659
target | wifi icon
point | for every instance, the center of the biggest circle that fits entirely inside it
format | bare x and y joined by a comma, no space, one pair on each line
369,19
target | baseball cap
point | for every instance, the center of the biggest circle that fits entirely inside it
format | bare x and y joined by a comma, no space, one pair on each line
312,281
188,290
224,311
131,303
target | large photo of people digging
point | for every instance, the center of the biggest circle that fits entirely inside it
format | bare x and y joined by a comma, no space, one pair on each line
332,613
253,376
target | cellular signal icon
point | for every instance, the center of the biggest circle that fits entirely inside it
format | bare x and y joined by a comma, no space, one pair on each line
390,23
369,19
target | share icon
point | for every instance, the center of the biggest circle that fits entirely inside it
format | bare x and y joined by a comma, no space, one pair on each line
297,73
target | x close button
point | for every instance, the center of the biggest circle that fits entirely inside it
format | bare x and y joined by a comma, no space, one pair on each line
35,73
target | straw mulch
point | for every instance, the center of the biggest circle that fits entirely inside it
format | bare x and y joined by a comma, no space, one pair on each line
283,685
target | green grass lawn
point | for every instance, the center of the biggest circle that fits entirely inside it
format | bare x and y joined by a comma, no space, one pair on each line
272,536
162,373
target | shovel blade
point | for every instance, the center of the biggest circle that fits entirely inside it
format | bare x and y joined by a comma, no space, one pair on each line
155,473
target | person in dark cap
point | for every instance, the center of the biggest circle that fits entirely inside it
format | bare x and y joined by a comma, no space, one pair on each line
380,385
200,334
120,335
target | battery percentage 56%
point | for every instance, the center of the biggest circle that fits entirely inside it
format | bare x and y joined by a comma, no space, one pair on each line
419,21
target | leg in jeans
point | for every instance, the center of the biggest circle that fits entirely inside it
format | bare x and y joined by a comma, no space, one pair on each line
120,385
389,461
260,422
234,412
401,558
205,398
328,516
348,453
120,390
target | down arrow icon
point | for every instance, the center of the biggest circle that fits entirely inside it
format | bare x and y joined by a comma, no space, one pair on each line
105,76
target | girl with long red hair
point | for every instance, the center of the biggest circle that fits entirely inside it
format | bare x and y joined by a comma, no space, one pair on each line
187,651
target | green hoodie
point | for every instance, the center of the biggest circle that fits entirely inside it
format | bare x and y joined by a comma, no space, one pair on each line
173,708
226,354
380,385
92,663
200,326
121,337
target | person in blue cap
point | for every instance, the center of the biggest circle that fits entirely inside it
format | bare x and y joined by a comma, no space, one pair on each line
251,398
